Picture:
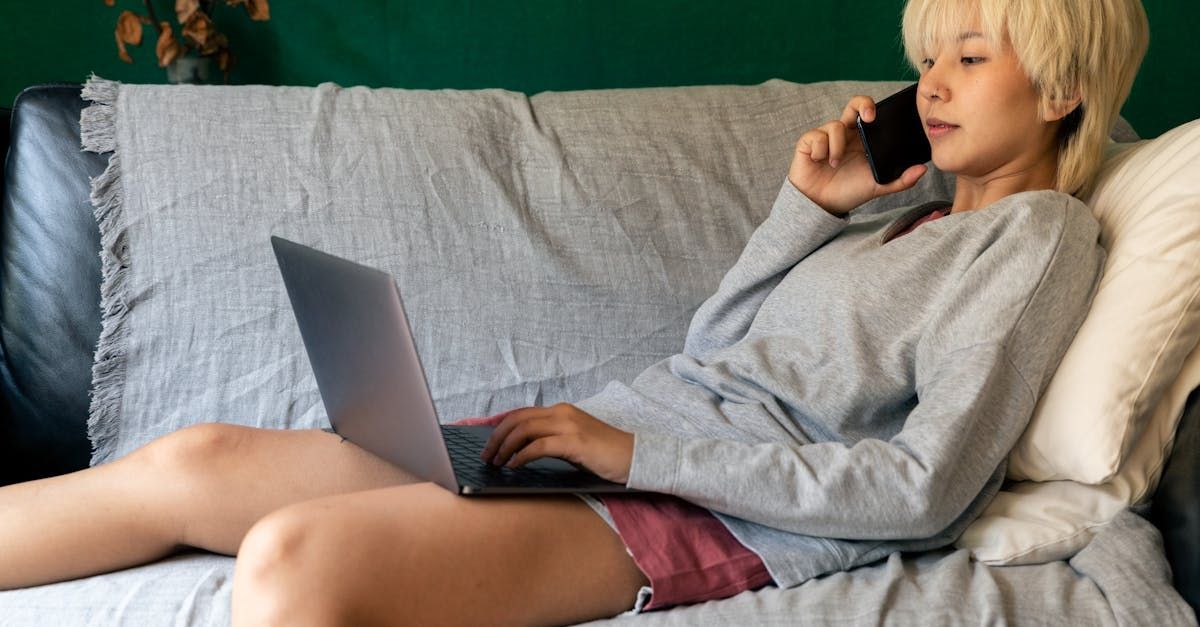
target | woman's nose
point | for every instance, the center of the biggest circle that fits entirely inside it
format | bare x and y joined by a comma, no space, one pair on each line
931,84
931,87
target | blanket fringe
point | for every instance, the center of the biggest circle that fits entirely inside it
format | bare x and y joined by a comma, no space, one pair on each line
97,131
97,123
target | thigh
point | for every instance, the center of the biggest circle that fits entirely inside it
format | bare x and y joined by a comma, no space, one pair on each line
418,554
222,478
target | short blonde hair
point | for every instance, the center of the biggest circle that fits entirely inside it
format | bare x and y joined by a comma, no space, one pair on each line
1089,48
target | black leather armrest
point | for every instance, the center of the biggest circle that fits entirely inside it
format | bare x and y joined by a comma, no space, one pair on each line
5,133
5,118
7,472
1175,509
49,286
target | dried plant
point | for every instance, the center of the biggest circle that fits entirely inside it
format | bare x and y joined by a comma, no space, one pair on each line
196,26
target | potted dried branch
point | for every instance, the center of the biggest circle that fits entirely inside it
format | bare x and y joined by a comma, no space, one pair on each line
199,37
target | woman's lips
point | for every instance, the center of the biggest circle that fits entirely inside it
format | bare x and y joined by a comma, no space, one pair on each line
938,131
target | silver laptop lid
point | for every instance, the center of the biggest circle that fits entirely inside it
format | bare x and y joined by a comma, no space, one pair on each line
360,346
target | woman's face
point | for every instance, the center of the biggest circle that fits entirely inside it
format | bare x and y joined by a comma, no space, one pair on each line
986,94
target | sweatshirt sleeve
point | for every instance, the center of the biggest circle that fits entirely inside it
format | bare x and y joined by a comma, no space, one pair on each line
795,227
989,348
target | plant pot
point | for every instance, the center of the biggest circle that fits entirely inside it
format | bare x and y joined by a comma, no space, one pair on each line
189,70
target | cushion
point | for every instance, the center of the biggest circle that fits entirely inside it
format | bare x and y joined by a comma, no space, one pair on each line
1104,427
1142,323
1122,575
1033,522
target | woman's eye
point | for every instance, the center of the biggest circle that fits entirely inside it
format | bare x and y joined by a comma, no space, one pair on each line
929,62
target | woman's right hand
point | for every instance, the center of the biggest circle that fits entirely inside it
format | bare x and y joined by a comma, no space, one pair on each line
830,165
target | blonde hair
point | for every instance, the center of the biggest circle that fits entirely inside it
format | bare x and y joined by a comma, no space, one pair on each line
1086,48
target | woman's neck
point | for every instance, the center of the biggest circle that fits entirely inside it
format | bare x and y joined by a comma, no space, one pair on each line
971,193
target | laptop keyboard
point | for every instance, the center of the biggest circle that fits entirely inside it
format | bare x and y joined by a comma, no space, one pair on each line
471,470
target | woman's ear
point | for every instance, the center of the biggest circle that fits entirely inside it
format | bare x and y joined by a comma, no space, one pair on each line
1060,109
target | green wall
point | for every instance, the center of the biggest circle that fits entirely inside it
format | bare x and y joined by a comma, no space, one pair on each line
538,45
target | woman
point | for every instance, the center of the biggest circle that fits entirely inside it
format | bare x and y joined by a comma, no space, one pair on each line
821,415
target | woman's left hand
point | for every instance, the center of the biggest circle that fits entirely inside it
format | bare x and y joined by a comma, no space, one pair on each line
561,430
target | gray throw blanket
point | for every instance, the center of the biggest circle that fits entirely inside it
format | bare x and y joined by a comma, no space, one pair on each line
543,245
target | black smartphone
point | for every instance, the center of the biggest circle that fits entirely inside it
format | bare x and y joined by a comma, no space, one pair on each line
895,140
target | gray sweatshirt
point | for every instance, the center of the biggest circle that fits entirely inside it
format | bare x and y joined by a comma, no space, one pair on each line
839,398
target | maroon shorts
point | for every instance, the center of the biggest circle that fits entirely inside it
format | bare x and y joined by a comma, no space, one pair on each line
688,555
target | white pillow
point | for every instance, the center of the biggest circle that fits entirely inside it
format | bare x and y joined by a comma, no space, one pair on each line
1142,322
1105,425
1037,522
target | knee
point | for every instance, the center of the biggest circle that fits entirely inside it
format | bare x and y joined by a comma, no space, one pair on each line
280,567
275,545
195,447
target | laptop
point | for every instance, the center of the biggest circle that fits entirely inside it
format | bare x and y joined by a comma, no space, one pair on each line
370,377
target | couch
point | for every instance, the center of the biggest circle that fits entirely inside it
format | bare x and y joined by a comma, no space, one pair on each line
50,321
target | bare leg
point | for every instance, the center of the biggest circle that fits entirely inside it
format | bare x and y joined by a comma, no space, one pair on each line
420,555
203,486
